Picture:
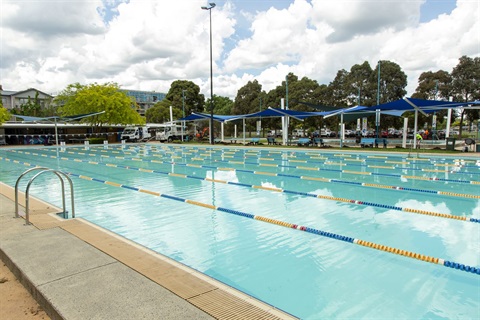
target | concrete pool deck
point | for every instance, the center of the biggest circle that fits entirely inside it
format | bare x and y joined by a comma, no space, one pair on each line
76,270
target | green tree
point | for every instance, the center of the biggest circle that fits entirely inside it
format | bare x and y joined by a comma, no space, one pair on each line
466,85
433,86
338,93
248,101
31,108
393,82
82,99
160,112
222,105
185,95
357,87
4,114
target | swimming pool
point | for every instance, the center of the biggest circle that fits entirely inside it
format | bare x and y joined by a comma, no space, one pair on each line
301,230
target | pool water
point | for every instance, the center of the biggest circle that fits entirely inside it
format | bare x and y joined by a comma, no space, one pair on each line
296,229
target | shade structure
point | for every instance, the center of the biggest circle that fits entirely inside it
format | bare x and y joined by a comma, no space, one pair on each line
275,113
400,106
348,114
56,119
203,116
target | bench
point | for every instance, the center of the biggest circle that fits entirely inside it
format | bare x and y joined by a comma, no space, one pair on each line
381,141
271,141
365,142
304,142
254,141
318,142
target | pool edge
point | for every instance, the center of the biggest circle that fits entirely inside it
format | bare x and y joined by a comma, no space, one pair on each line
207,294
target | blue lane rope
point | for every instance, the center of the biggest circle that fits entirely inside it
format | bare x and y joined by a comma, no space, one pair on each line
338,199
399,188
293,158
409,254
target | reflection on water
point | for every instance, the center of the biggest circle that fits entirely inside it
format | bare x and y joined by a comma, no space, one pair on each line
308,275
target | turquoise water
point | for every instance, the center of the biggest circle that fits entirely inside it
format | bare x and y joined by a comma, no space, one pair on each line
360,196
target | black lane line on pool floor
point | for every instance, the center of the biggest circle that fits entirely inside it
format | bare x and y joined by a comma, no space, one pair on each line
409,254
338,199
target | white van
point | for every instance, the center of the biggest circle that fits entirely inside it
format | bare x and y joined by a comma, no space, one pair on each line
275,133
132,133
298,133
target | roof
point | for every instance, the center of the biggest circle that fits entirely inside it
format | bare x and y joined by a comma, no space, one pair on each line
14,93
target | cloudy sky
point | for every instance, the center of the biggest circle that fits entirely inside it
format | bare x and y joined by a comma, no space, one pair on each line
148,44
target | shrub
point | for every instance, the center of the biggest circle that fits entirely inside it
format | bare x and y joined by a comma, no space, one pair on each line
95,140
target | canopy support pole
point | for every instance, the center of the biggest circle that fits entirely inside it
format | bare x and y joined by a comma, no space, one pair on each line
243,131
415,127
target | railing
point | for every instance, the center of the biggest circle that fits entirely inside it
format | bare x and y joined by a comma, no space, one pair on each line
60,175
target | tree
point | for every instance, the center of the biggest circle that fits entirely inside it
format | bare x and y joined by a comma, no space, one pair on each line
82,99
434,86
160,112
339,90
222,105
248,100
466,85
4,114
357,86
393,82
185,95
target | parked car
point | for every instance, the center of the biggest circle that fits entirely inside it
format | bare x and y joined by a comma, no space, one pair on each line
298,133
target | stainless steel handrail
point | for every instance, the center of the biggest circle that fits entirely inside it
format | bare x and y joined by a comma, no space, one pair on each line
59,174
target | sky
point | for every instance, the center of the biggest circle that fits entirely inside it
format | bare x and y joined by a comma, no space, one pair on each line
148,44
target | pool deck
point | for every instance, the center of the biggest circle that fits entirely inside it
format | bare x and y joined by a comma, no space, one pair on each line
77,270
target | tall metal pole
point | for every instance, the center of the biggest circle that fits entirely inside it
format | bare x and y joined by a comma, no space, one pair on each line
434,119
183,112
378,84
378,97
211,5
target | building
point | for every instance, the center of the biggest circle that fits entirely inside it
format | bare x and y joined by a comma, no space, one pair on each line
145,99
20,132
16,99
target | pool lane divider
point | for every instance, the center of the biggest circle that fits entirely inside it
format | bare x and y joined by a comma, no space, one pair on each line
334,236
331,170
444,193
185,149
363,184
346,158
274,189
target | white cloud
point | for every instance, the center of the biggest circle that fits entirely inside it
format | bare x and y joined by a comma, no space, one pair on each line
147,45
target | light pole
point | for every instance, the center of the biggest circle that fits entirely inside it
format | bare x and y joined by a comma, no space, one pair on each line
211,5
183,111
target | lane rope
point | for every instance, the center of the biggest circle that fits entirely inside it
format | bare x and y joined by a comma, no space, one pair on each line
273,189
334,236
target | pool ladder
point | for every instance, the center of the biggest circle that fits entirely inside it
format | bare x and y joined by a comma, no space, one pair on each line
411,152
61,175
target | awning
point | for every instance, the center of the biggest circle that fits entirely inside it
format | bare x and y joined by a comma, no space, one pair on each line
275,113
56,119
204,116
400,106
